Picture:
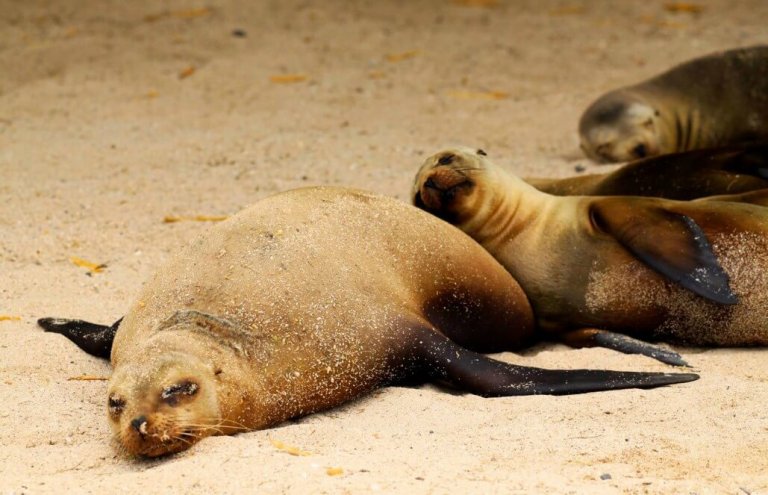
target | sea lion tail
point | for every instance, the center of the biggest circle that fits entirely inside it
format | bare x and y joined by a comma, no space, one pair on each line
93,338
445,360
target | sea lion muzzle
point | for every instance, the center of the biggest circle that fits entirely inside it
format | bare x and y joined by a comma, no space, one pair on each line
440,188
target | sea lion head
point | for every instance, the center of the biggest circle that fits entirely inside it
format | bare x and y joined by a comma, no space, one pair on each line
449,181
618,128
165,399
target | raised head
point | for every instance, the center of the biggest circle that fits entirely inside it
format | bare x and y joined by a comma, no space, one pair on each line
452,183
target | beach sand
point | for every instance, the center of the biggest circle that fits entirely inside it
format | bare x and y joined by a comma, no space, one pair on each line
116,115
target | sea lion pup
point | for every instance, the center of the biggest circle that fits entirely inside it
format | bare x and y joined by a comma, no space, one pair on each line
685,272
306,300
710,101
685,175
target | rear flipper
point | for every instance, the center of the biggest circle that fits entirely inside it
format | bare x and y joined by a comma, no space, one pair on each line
92,338
444,360
593,337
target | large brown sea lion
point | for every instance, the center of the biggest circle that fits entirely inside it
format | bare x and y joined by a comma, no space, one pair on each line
710,101
306,300
685,272
685,175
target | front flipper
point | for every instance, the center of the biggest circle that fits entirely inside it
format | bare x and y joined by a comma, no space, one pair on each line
444,360
672,244
93,338
593,337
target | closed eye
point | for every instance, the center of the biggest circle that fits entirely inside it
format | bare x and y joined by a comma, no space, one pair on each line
640,151
171,393
115,405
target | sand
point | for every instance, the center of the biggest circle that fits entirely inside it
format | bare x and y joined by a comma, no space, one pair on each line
115,115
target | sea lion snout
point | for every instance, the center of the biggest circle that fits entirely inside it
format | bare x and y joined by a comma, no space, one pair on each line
447,180
164,404
437,188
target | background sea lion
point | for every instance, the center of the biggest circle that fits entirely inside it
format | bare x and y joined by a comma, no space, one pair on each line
710,101
687,272
685,175
307,300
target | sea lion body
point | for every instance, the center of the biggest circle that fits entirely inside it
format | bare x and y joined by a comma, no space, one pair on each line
613,263
312,323
306,300
714,100
684,175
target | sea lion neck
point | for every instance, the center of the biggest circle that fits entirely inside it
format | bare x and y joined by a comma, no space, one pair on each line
504,208
209,326
677,129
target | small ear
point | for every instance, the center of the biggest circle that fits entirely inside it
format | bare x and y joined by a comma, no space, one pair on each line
672,244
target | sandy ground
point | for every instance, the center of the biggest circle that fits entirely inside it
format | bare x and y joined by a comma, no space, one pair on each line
114,115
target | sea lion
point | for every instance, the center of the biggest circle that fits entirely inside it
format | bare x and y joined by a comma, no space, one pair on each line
306,300
655,269
710,101
685,175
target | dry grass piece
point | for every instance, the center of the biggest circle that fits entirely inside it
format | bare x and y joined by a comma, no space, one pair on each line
185,73
399,57
288,448
87,378
477,3
287,78
196,218
92,267
690,8
478,95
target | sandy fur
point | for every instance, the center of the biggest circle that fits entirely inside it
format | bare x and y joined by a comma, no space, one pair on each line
90,163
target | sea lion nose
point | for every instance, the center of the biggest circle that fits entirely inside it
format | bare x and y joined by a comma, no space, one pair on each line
430,195
431,184
140,424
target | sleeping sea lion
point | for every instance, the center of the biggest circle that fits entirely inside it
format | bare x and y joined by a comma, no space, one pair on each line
685,175
306,300
685,272
710,101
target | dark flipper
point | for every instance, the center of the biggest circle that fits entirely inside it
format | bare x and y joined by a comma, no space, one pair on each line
444,360
92,338
593,337
749,159
672,244
686,175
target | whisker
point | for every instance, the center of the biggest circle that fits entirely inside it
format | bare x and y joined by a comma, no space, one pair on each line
184,440
233,424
